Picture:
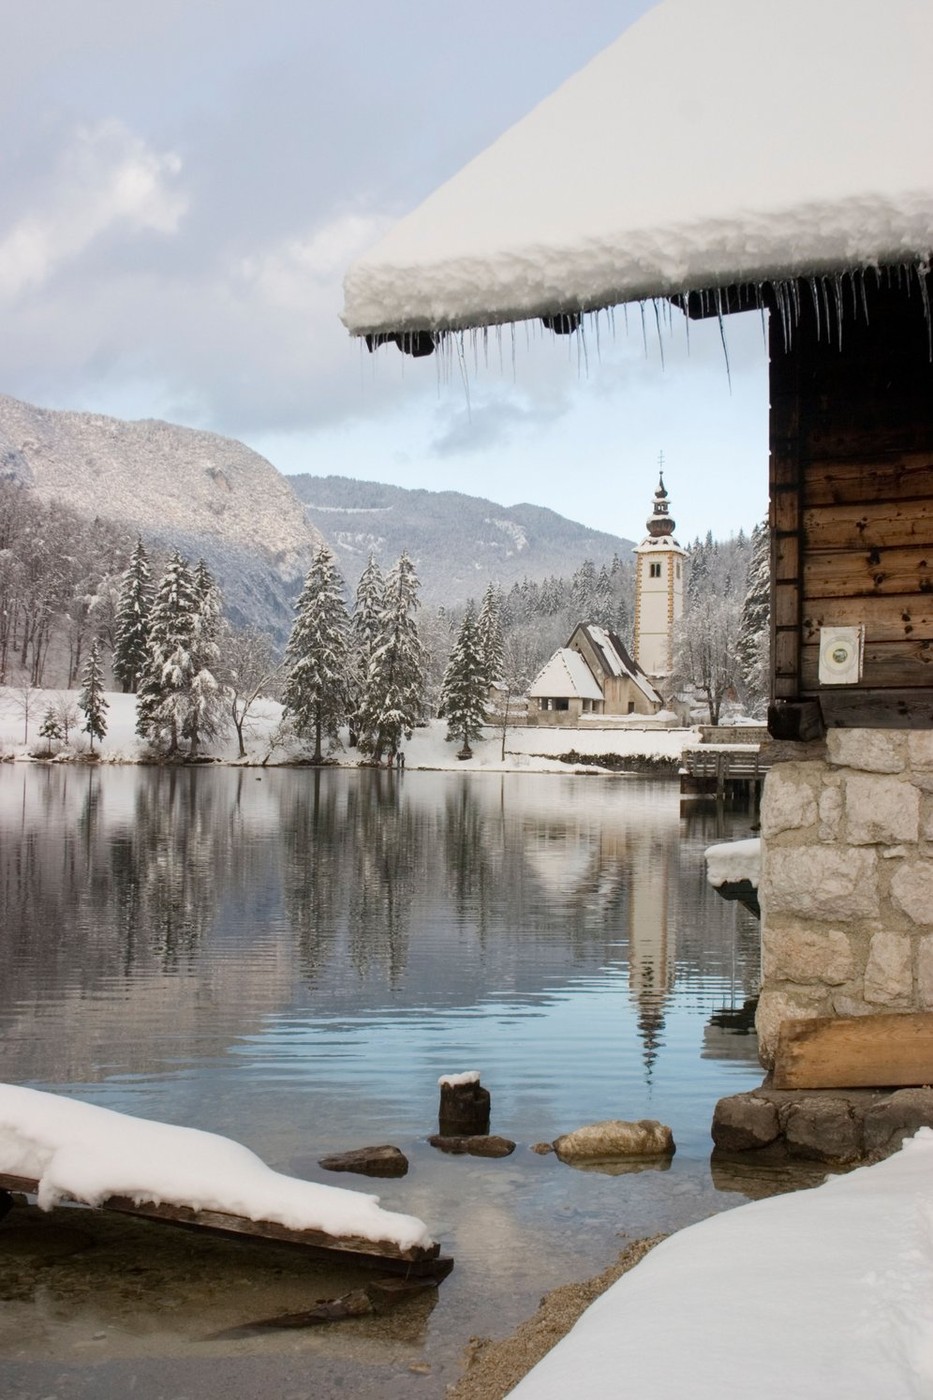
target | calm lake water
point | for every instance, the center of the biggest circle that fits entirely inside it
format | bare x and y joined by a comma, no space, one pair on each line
293,958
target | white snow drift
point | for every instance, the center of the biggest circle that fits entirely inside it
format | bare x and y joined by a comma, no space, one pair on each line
86,1153
821,1293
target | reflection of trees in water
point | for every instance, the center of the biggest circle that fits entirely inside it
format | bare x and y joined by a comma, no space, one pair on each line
354,855
313,847
373,871
389,860
180,861
475,849
83,899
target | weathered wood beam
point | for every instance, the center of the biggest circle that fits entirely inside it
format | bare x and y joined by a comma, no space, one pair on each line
417,1261
889,1050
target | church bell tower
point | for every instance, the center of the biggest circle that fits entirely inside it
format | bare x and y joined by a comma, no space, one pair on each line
659,589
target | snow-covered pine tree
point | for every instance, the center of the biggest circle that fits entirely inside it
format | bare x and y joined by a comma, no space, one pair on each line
392,700
754,644
164,689
463,694
365,627
91,700
205,718
317,657
50,730
489,633
131,636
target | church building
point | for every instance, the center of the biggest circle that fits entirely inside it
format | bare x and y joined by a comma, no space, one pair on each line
659,590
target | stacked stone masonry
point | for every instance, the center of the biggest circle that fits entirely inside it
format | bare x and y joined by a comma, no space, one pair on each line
847,879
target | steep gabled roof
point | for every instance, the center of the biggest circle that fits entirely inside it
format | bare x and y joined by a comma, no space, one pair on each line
565,676
615,659
716,142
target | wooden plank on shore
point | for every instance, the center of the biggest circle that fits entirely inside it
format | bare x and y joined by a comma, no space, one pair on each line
890,1050
419,1261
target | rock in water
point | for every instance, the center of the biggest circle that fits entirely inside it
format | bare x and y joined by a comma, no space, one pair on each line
615,1138
368,1161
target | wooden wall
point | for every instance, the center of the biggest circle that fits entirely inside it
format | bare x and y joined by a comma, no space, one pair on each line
852,503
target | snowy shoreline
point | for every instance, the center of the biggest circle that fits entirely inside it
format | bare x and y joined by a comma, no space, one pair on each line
615,750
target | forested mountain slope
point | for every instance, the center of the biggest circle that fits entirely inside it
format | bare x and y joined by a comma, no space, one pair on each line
210,496
459,543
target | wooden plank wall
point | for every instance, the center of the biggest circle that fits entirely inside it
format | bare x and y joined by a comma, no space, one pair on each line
852,503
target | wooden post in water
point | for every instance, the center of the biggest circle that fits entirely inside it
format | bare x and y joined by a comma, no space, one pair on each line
464,1106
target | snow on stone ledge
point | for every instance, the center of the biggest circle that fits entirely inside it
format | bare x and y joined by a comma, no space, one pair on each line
827,1292
732,861
88,1153
716,141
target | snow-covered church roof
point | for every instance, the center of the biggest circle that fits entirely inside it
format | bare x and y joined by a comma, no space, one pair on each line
716,142
565,675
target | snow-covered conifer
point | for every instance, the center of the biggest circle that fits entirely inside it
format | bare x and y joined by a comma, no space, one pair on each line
393,697
165,690
317,658
205,718
131,636
50,729
365,627
489,633
754,644
91,700
463,695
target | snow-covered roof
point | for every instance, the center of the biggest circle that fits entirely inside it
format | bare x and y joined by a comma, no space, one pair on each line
715,142
617,660
565,675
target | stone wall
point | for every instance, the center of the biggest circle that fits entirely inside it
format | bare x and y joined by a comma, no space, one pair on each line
847,879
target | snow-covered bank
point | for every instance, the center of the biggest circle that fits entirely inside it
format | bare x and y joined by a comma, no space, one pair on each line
526,749
87,1153
827,1292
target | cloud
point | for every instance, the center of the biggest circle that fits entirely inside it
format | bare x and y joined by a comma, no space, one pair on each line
492,422
105,178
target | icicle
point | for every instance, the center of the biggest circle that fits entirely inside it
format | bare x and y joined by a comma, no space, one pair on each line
584,348
465,378
722,335
657,321
922,270
644,330
824,297
811,282
863,291
840,308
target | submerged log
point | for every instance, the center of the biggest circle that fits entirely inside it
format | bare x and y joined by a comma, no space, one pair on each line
479,1145
464,1107
380,1296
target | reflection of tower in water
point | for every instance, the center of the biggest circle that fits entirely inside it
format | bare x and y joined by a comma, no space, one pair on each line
651,946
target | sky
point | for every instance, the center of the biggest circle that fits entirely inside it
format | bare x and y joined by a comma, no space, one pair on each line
183,186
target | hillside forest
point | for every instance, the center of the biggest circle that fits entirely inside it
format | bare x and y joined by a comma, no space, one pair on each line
64,576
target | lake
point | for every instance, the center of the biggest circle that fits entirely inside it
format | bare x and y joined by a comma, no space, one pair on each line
293,958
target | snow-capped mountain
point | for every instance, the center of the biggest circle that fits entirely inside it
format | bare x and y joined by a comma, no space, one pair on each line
214,498
459,543
209,496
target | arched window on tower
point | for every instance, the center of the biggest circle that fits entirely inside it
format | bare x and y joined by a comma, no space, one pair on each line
654,570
